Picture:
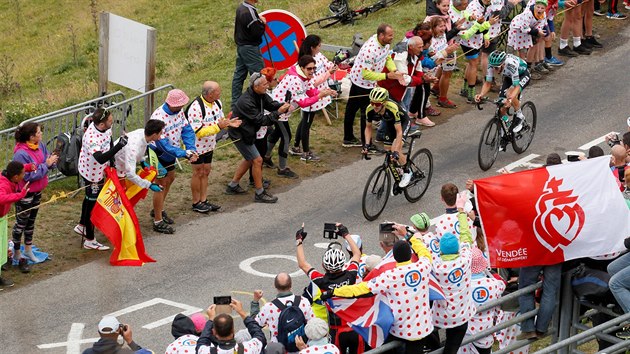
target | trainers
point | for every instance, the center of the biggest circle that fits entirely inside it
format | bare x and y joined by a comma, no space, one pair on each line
627,6
373,150
94,245
235,190
268,162
435,92
80,229
164,217
162,227
616,16
526,335
265,197
547,66
432,112
352,143
266,183
29,255
517,124
287,173
599,13
446,103
463,92
567,52
405,179
593,42
425,122
295,151
23,266
309,156
553,61
624,333
581,49
201,207
541,69
213,207
5,283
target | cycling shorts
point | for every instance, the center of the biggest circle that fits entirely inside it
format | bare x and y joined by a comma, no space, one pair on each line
492,47
390,132
469,52
204,158
524,80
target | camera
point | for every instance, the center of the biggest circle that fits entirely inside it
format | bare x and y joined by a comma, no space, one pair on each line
330,231
386,227
223,304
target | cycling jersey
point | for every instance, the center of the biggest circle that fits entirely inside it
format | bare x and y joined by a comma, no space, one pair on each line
513,68
392,113
331,281
484,290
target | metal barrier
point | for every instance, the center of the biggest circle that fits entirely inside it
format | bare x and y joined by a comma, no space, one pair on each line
109,98
133,112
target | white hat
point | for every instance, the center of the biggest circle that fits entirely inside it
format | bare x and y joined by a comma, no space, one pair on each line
356,239
108,325
372,261
316,329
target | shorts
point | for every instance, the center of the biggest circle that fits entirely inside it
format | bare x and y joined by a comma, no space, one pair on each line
470,53
390,132
168,165
204,158
507,83
248,151
492,47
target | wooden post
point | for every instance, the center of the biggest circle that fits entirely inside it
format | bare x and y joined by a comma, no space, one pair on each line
150,73
103,52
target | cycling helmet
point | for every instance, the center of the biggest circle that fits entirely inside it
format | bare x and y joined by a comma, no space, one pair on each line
496,58
333,260
379,94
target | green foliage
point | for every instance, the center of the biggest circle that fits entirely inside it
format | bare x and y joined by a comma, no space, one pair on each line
15,113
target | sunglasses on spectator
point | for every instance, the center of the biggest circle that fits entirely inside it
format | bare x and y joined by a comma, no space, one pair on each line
309,68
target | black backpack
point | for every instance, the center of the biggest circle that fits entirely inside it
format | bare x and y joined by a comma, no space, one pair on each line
291,324
202,106
68,147
590,284
240,349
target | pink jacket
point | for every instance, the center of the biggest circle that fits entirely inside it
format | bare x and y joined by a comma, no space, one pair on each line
26,155
302,91
8,195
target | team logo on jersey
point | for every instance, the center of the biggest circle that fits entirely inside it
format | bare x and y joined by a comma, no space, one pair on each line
362,270
434,244
456,228
480,294
413,278
189,342
456,275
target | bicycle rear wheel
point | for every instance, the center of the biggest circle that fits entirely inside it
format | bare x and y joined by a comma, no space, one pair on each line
326,21
421,166
376,193
489,144
522,139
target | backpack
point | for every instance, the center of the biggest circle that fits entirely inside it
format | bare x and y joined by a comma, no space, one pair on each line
589,284
68,147
240,349
202,106
291,324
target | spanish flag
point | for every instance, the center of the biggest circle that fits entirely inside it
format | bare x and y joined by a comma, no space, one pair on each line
113,214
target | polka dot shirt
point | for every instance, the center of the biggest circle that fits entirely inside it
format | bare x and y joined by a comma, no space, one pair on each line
372,56
174,125
182,345
454,277
213,114
252,346
520,27
269,314
93,141
484,289
321,349
475,41
449,223
322,64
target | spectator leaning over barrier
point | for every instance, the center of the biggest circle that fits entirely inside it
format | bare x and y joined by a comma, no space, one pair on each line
249,29
205,115
186,331
366,71
31,151
9,193
168,149
452,271
250,108
219,333
316,331
97,151
133,153
406,289
109,329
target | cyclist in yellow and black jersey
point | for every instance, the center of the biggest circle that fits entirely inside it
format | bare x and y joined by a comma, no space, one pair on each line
383,109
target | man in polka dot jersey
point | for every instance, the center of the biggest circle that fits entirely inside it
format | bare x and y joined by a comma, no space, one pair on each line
449,221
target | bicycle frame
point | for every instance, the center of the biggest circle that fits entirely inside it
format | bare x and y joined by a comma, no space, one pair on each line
389,164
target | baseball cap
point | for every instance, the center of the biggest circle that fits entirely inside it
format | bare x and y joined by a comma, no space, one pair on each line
356,239
108,325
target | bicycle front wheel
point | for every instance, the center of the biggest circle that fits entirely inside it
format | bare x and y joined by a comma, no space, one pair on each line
326,21
421,166
522,139
489,144
376,193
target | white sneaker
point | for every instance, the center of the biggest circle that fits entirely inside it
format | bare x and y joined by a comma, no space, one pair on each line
517,125
80,229
31,256
404,180
94,245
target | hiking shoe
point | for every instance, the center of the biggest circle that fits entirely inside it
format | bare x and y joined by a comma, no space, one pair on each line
5,283
593,42
23,266
265,197
309,156
373,150
567,52
352,143
616,16
213,207
446,103
517,124
235,190
201,207
287,173
268,162
80,229
599,13
94,245
163,228
541,69
432,112
266,183
581,49
295,151
29,255
526,335
164,217
463,92
553,61
624,333
405,179
547,66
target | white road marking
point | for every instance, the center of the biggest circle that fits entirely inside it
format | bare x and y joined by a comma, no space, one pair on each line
187,310
519,162
597,141
246,265
73,342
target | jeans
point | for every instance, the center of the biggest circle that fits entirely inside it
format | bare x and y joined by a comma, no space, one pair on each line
248,60
552,276
619,283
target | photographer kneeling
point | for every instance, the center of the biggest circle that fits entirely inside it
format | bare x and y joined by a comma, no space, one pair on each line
109,329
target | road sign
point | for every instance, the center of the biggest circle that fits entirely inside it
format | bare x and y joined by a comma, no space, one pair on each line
284,30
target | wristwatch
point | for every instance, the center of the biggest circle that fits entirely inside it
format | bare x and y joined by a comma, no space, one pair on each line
298,242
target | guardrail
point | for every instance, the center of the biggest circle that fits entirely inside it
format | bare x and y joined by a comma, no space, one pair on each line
109,98
133,112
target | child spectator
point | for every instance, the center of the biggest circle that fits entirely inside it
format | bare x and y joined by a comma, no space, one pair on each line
186,331
526,29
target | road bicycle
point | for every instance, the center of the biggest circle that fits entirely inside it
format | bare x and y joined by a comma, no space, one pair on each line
498,133
379,184
342,13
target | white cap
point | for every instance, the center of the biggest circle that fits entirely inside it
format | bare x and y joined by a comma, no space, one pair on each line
356,239
316,328
372,261
108,325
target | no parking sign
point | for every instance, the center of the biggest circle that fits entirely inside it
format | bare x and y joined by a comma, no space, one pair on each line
282,31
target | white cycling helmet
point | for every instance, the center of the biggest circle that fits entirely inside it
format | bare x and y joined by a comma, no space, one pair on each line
333,260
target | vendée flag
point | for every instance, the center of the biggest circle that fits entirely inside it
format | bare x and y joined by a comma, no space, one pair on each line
114,215
552,214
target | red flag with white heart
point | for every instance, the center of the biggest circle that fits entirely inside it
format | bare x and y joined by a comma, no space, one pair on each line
552,214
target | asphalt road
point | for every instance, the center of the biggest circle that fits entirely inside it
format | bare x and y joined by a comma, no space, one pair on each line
586,99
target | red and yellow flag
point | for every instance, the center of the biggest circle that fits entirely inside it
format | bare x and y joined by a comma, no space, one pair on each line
115,217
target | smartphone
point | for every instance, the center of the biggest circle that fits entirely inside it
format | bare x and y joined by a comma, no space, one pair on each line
386,227
330,231
223,304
